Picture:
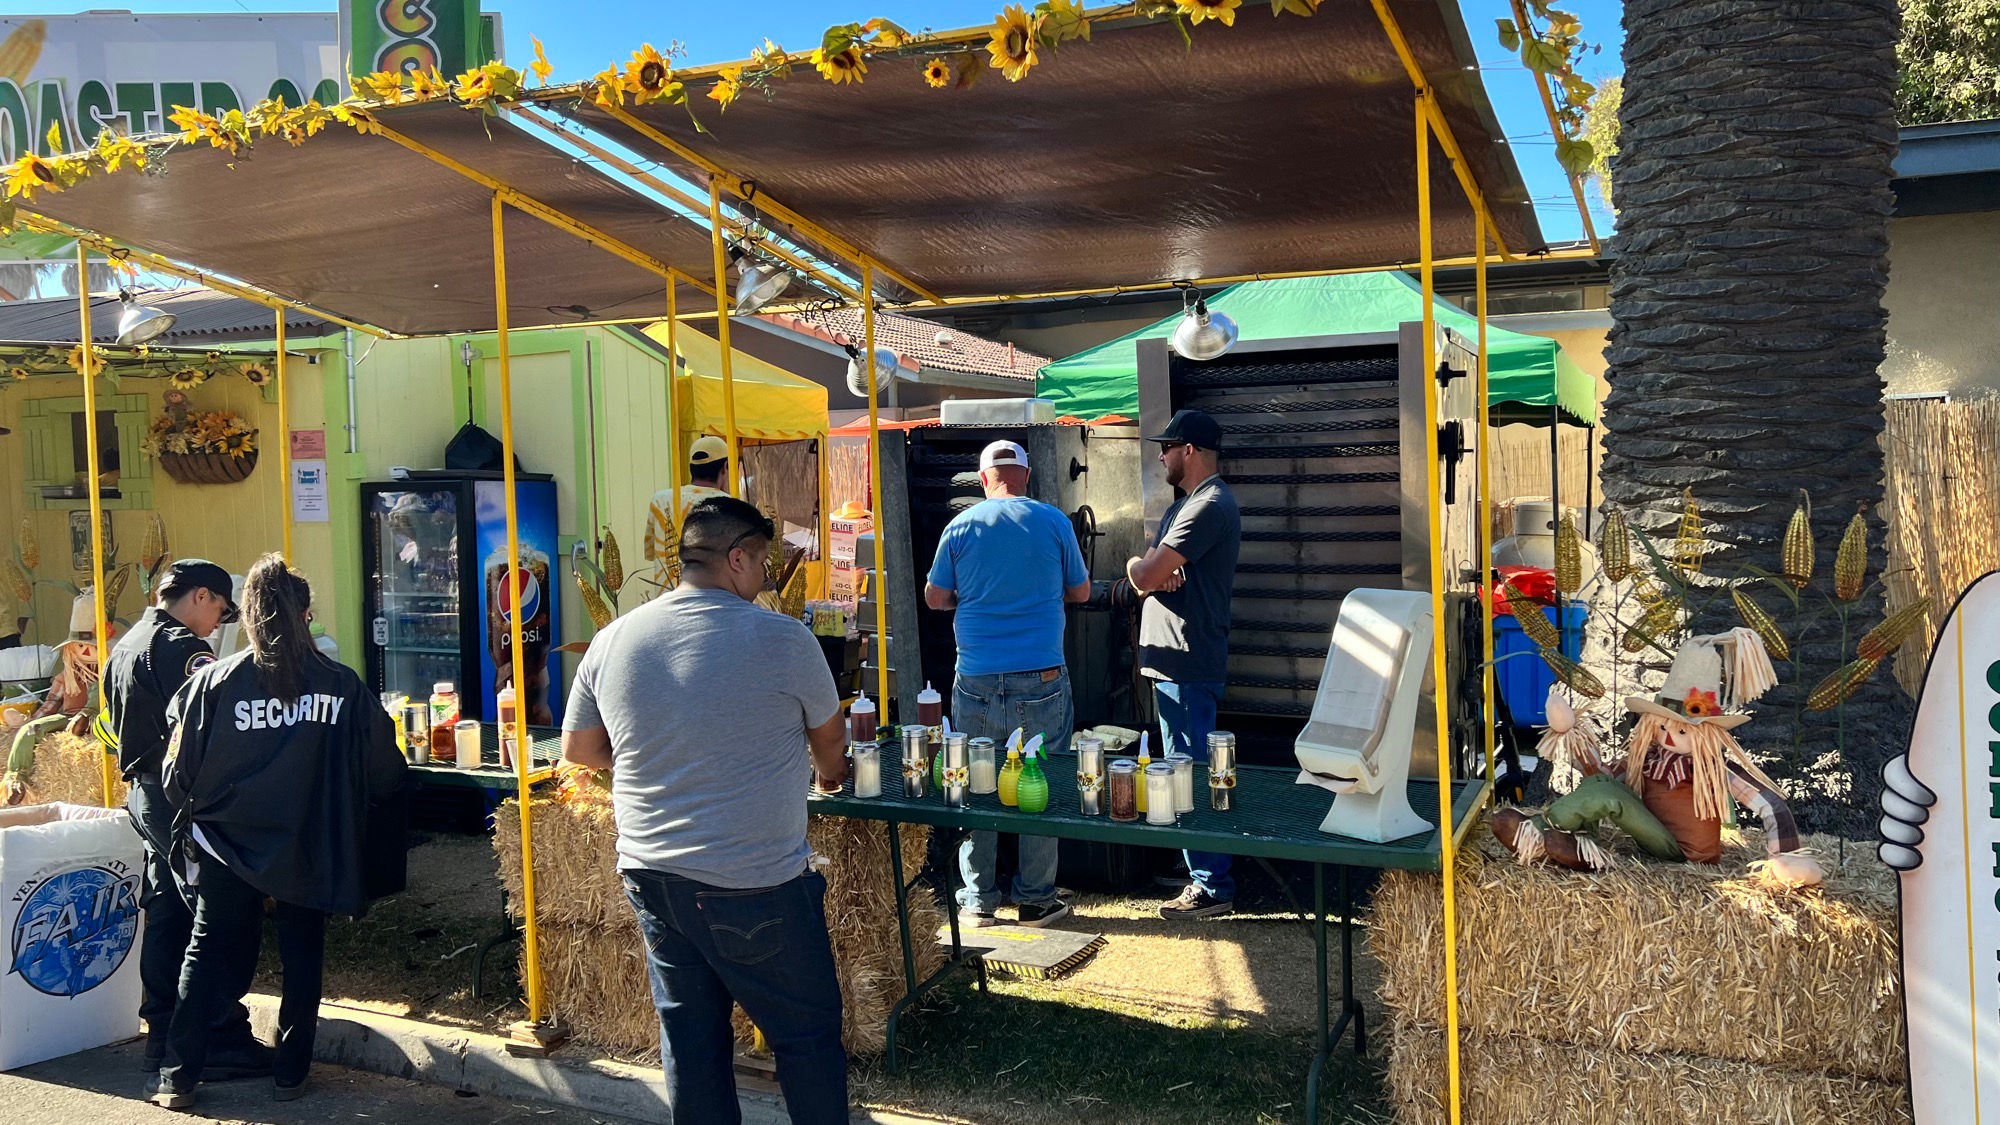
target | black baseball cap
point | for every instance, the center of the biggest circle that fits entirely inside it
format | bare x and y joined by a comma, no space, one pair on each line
1194,428
187,575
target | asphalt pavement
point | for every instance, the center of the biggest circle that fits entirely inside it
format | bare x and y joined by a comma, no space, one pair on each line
102,1087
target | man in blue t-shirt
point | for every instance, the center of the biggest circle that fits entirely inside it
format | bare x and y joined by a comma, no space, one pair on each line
1007,564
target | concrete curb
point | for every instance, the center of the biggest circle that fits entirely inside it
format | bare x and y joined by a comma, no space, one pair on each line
469,1060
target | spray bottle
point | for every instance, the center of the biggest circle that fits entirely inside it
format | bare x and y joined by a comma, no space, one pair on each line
1010,773
1031,790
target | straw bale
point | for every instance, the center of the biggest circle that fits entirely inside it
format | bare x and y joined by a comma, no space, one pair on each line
70,768
1659,958
1517,1080
591,952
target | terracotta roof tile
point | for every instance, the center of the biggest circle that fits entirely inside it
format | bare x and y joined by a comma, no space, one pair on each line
920,341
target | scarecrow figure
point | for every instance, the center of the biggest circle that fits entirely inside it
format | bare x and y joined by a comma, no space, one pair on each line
1682,769
71,701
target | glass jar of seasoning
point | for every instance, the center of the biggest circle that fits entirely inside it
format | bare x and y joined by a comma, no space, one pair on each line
1183,767
985,770
1221,770
1123,781
1159,793
1089,775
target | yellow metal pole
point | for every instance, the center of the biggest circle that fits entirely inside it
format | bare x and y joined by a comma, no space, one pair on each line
1439,676
284,437
106,763
675,456
722,333
523,749
875,491
1481,389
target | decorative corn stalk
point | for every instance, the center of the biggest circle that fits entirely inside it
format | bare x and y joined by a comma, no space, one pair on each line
1842,683
593,602
1531,619
31,551
1887,637
114,588
1614,547
1798,552
1690,546
1850,562
614,564
1653,625
1569,557
18,583
1766,628
1575,676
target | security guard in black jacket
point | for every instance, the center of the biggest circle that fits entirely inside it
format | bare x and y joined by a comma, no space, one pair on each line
147,666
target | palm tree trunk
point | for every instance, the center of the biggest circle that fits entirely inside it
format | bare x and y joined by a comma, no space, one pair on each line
1747,325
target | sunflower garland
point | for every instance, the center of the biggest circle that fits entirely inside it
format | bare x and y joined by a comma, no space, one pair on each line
937,74
78,356
1013,42
187,378
837,67
257,373
1222,11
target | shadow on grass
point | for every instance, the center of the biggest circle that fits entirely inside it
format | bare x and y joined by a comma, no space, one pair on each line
1024,1056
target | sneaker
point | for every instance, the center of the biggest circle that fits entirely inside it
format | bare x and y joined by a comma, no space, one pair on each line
242,1060
1195,903
976,920
284,1093
166,1096
1044,913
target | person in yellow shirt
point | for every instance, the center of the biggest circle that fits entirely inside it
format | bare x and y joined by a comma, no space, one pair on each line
708,475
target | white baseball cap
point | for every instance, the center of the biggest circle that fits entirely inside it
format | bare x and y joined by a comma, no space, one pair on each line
1003,453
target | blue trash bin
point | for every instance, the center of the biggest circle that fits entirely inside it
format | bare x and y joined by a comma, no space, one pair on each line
1524,680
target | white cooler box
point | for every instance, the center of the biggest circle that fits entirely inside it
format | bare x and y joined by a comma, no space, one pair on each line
70,877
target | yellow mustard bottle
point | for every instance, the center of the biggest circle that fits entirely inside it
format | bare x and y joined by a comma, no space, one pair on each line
1145,759
1010,778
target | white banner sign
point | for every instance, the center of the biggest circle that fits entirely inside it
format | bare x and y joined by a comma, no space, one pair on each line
86,73
1941,829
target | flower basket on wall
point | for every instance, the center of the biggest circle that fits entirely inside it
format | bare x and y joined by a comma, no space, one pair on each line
207,468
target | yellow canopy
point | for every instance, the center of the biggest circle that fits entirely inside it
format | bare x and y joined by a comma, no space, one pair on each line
772,404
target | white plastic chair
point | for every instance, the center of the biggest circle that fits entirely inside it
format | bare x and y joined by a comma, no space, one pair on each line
1357,742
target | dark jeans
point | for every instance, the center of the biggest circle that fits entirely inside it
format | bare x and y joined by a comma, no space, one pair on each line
228,929
169,923
765,948
1187,717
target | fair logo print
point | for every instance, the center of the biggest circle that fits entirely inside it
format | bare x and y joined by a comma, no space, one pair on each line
75,928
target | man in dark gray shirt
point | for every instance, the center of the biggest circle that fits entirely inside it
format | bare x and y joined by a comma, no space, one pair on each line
1184,625
706,708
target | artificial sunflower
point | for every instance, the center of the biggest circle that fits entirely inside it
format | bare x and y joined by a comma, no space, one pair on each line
212,358
428,85
17,373
608,87
239,443
77,357
728,85
1199,10
845,65
937,74
28,174
647,74
474,87
188,378
259,374
1013,42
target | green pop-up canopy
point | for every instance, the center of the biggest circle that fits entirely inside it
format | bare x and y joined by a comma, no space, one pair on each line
1523,370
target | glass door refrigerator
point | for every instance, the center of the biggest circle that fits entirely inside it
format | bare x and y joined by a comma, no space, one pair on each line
434,566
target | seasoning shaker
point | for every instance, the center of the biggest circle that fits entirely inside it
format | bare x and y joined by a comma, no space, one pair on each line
1089,775
985,771
1183,767
1122,778
867,769
916,761
1221,770
957,757
1159,793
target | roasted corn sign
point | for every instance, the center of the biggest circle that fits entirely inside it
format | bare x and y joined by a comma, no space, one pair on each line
1941,831
65,79
414,36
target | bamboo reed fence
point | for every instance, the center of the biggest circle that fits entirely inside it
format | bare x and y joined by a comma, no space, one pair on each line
1943,510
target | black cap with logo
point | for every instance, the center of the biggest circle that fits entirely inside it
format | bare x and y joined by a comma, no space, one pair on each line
186,575
1194,428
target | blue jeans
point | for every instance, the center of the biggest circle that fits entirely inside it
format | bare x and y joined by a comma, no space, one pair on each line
765,948
992,706
1187,716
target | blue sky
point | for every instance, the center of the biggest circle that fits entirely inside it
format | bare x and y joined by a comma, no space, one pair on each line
582,35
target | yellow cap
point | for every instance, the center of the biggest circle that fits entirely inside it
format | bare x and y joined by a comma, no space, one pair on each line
707,448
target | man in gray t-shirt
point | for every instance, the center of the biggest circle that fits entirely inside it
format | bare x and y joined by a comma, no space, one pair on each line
712,714
1184,625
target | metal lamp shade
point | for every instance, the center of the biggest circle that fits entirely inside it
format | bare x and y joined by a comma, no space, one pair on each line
1203,335
138,323
857,370
759,286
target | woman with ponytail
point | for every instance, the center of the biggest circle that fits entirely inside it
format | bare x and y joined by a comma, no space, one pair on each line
276,754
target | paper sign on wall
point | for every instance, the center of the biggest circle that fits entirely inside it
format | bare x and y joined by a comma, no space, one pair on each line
308,445
1941,830
309,492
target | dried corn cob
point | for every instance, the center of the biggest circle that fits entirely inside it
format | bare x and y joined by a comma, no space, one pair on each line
153,547
1841,684
1659,619
1798,555
31,551
1754,616
1690,546
1614,547
774,551
1850,563
22,50
593,602
613,564
18,584
1576,676
1569,556
1531,619
114,588
1885,638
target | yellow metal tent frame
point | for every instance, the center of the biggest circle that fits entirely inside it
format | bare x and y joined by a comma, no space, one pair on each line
1430,127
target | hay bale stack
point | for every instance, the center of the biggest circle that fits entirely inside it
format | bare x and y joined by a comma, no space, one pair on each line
1515,1079
591,952
70,769
1651,974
